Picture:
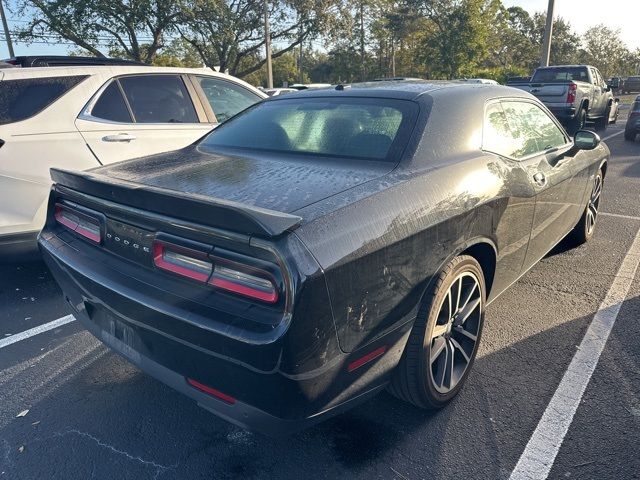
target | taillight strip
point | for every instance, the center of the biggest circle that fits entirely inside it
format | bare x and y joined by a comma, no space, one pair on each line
220,273
79,222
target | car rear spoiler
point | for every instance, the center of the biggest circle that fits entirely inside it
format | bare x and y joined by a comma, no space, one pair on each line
205,210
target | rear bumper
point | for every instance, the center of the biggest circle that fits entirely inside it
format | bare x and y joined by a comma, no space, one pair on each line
267,399
19,246
563,113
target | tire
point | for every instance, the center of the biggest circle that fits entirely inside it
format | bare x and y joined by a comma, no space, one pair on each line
630,136
584,229
422,382
578,121
601,123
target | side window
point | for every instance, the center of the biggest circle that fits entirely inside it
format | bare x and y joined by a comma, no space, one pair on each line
24,98
226,99
111,106
533,129
159,99
496,134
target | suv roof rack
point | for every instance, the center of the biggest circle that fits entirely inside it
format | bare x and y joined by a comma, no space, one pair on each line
65,61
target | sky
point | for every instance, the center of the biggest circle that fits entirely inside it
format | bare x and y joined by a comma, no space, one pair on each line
581,14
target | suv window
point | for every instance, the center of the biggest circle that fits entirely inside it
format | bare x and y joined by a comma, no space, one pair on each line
111,105
532,129
24,98
225,98
159,99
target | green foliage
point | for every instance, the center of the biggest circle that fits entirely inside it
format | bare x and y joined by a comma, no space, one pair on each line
354,41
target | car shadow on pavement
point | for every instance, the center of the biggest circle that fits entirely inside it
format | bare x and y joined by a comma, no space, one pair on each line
109,420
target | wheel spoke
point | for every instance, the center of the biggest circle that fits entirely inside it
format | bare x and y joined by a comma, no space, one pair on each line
436,349
448,370
438,331
458,347
471,292
469,309
466,333
458,295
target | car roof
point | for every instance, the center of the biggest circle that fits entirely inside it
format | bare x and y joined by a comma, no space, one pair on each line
34,72
409,90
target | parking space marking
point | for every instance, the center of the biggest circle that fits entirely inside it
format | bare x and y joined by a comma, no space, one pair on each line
36,330
543,446
618,215
613,135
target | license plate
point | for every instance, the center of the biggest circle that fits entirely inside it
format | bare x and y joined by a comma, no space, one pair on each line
121,338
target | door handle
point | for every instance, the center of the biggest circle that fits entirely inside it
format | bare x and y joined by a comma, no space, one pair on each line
540,179
120,137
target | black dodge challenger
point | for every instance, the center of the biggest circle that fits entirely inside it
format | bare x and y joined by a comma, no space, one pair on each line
322,246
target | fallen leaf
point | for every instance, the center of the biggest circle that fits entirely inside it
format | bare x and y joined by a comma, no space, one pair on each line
23,413
21,448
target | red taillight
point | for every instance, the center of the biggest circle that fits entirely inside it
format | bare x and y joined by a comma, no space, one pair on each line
221,273
242,279
571,95
211,391
182,261
78,222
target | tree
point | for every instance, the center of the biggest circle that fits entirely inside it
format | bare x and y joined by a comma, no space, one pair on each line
565,42
603,48
138,28
461,36
228,33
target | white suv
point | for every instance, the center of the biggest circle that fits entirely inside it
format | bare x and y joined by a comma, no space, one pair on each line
83,117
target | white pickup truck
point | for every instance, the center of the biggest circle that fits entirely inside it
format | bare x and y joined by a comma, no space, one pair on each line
575,94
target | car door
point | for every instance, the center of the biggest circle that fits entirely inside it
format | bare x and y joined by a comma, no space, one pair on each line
137,115
597,102
539,145
222,97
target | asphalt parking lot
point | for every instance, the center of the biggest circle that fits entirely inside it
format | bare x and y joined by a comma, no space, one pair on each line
93,415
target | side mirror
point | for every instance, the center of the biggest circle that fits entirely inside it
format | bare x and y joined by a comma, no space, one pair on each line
586,140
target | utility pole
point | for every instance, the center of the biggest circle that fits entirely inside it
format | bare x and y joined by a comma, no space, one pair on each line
548,33
267,44
7,35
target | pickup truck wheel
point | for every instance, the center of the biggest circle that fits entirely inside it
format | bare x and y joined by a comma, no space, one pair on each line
444,340
583,231
578,121
601,123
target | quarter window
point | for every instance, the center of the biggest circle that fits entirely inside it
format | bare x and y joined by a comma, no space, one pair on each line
24,98
532,130
159,99
225,98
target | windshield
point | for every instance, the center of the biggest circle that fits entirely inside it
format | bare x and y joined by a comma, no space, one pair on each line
366,128
567,74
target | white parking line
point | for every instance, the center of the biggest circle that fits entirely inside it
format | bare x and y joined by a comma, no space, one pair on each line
613,135
36,330
618,215
543,446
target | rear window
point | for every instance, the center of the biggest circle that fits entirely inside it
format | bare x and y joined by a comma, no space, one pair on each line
364,128
24,98
543,75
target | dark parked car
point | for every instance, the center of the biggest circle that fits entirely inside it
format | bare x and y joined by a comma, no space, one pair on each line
632,128
631,85
322,246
